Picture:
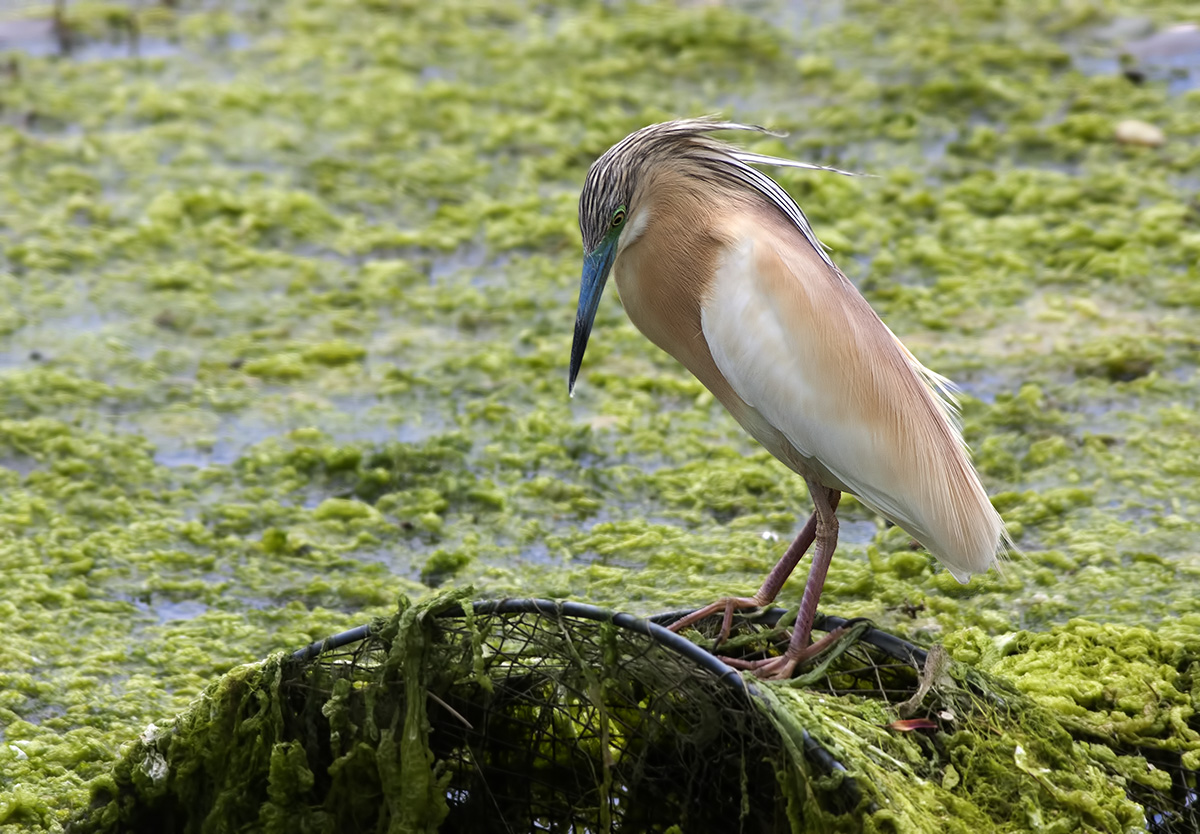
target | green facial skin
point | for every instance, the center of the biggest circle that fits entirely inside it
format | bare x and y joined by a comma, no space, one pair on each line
288,312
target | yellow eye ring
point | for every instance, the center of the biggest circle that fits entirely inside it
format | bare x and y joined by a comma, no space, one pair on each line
618,218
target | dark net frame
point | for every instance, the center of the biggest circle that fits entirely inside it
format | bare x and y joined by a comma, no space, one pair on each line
560,716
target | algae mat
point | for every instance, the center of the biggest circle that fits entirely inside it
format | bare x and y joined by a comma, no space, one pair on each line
289,290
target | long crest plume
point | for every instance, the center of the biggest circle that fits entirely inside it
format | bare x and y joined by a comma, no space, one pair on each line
617,171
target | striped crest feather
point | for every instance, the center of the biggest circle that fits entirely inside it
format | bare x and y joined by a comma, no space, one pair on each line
613,177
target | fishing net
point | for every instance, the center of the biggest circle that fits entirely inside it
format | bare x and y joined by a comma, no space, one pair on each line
532,715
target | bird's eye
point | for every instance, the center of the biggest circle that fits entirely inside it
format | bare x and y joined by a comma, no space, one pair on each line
618,217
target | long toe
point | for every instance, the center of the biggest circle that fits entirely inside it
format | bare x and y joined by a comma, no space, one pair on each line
777,669
727,605
783,666
770,668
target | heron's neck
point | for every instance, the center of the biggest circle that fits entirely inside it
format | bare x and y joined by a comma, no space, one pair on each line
665,273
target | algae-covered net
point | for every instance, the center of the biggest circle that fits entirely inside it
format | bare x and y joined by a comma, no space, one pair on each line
565,717
518,715
533,715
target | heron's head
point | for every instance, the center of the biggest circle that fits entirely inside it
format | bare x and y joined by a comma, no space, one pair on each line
612,213
614,210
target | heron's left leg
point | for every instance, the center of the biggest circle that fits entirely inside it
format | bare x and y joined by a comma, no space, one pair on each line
765,595
771,586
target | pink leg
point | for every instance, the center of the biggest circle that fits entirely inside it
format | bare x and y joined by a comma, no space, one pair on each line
825,502
771,586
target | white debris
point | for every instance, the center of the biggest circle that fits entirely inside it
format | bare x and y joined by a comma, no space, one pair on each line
1137,132
155,766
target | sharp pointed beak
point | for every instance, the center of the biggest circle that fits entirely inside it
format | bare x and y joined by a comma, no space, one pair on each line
596,266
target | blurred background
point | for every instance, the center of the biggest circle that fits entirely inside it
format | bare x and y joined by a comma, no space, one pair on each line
288,290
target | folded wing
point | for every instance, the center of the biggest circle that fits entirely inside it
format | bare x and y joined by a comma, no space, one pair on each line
799,344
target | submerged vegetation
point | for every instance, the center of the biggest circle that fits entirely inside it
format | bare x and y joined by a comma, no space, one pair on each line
288,300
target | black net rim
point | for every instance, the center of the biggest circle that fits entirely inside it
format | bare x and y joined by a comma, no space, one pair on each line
889,644
652,627
548,607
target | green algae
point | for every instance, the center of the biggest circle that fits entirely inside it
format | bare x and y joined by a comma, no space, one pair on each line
1122,686
287,312
1031,776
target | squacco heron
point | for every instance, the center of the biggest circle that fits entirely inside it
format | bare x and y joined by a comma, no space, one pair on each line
720,268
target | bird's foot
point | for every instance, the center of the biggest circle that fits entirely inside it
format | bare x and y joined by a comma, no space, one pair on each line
728,604
781,668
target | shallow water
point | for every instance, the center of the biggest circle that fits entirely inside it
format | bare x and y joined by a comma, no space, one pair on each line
301,287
